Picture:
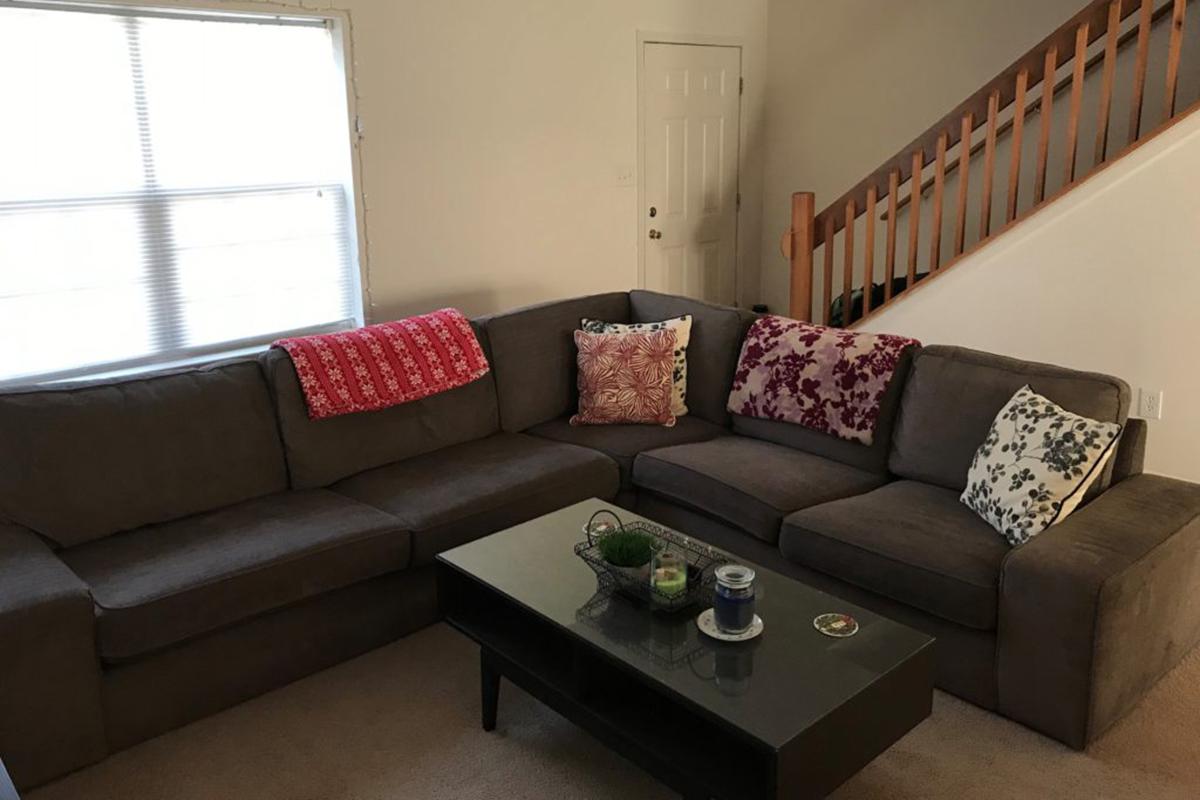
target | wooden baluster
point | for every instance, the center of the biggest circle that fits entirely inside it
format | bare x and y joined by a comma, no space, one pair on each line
989,167
869,251
803,236
964,173
1145,19
939,189
1081,42
1047,115
914,217
890,275
1018,130
848,265
1106,82
827,287
1173,52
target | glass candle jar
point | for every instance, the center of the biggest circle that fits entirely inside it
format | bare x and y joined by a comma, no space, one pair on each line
668,573
733,603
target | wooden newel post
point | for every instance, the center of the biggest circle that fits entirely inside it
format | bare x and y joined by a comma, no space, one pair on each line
800,253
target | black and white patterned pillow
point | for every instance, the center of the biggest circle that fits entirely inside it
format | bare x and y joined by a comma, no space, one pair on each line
682,326
1035,465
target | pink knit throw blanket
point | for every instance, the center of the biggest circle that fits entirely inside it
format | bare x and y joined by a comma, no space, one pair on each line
387,364
827,379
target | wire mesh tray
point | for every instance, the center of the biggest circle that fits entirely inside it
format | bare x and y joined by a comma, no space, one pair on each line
635,582
666,640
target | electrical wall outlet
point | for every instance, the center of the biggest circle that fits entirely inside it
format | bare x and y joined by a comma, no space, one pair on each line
1150,403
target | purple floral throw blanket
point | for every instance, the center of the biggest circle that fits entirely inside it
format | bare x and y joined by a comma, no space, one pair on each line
827,379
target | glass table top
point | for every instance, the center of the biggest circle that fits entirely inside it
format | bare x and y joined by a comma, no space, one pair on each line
772,687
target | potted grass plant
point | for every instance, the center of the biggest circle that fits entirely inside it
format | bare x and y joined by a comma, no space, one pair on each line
628,551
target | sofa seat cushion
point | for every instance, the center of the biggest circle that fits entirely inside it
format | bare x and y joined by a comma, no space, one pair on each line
910,541
460,493
163,584
748,483
622,443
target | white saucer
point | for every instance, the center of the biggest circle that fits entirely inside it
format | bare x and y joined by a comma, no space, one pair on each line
708,626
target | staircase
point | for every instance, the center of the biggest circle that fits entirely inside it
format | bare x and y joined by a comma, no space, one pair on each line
1101,85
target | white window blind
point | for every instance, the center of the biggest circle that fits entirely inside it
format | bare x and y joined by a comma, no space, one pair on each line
171,186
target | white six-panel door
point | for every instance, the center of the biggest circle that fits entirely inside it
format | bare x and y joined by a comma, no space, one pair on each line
690,124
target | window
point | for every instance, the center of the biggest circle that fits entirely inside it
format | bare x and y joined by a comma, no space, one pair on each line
172,186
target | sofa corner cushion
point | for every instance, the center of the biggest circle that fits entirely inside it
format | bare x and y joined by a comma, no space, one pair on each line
622,443
85,461
321,452
909,541
953,395
460,493
748,483
167,583
533,355
713,347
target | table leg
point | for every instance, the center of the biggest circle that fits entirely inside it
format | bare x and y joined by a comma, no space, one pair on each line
489,682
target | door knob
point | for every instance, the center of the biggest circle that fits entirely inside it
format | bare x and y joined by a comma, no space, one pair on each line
655,234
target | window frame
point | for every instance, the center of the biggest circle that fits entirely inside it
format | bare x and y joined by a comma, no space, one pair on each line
338,22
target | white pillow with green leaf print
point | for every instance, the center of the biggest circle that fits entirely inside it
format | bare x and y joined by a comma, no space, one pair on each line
1035,465
682,327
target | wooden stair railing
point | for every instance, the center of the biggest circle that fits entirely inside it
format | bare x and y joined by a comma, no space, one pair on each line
1035,73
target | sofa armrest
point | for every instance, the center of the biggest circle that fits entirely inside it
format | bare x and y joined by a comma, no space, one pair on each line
1130,458
50,709
1095,610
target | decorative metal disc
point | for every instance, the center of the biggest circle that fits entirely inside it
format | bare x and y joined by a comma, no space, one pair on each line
838,626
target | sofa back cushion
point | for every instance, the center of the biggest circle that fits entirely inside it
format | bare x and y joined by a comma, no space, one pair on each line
83,461
321,452
953,395
533,356
713,348
872,458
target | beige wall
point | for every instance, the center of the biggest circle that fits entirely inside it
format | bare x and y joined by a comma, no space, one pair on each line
494,132
852,82
1106,279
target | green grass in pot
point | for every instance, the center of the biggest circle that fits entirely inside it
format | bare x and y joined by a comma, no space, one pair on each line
627,548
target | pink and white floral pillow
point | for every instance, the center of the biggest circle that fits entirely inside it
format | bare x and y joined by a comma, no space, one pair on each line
826,379
625,377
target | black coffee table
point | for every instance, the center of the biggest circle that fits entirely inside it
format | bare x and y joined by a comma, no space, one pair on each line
791,714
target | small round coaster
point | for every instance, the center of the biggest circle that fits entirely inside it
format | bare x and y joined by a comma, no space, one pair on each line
838,626
707,624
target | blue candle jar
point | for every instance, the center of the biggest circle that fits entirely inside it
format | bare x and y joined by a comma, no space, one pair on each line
733,603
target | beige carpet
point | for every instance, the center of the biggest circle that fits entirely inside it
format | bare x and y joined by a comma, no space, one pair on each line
402,722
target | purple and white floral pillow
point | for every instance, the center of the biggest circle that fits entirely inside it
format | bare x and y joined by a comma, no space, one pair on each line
826,379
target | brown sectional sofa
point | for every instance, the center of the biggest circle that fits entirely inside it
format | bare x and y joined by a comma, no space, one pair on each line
173,544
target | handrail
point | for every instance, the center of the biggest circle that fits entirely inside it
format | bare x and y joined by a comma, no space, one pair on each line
1061,41
1067,45
1035,106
